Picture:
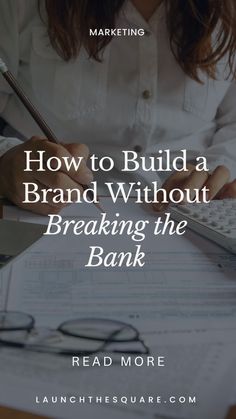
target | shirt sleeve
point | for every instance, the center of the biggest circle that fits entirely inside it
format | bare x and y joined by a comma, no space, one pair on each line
6,143
222,151
9,53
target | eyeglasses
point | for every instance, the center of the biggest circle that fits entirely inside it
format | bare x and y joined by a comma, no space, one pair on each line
74,337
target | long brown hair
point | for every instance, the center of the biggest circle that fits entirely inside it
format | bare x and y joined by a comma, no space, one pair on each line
201,32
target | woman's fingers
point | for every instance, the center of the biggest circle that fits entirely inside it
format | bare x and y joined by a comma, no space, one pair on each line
56,180
84,175
13,173
59,180
178,180
217,180
194,180
78,170
78,149
228,191
169,185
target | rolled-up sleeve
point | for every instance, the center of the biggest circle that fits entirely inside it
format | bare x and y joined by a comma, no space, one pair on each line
223,148
9,53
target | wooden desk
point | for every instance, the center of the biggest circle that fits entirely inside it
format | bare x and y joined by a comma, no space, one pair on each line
6,413
232,413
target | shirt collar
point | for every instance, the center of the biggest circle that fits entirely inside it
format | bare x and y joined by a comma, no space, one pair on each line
132,15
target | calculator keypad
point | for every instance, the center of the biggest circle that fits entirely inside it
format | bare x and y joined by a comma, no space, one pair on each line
218,215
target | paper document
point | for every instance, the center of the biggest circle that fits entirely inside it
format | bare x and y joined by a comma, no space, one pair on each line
180,282
183,302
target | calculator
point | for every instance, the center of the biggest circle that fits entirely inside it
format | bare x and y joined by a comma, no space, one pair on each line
216,221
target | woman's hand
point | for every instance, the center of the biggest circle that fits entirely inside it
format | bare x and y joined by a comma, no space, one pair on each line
217,183
12,174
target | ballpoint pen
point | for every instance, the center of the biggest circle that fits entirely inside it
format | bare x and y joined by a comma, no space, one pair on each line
8,76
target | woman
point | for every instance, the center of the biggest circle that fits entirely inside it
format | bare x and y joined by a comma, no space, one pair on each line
170,87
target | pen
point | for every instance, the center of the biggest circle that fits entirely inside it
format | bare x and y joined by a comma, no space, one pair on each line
8,76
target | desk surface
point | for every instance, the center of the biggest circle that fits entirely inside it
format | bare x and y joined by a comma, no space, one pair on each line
232,413
7,413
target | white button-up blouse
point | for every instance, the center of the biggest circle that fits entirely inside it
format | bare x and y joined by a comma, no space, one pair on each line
138,98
